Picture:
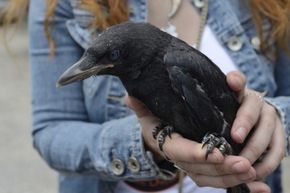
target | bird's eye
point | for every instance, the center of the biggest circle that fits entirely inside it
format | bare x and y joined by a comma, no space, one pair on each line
115,54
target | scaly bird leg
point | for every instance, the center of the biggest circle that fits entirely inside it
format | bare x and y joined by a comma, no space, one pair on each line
162,134
212,140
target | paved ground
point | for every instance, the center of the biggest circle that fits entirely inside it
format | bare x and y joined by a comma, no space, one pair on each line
21,169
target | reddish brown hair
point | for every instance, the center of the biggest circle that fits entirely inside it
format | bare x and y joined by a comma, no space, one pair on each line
110,12
107,13
277,12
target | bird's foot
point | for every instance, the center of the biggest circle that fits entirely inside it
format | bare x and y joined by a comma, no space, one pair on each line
161,134
157,129
212,140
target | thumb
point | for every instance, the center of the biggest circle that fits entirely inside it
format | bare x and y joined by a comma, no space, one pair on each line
137,106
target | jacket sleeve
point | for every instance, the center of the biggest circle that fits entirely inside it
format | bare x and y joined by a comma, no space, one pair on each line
282,99
62,132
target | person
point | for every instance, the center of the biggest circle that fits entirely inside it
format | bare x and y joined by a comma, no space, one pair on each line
87,133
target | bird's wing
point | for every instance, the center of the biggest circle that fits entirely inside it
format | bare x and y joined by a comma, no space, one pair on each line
189,84
197,65
197,102
208,78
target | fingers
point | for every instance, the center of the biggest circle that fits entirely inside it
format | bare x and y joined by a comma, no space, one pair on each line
275,153
234,170
177,148
247,115
180,149
236,81
264,130
231,165
258,187
223,181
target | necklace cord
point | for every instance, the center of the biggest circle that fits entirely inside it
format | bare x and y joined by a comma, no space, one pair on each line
203,19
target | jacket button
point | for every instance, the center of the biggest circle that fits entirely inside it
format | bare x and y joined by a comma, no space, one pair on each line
235,43
256,42
198,3
118,167
133,164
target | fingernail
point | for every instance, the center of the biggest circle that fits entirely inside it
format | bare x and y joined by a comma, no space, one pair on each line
238,80
238,167
241,132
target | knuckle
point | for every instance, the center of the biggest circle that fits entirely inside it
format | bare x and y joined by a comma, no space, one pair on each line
246,118
270,109
269,128
218,169
254,150
195,157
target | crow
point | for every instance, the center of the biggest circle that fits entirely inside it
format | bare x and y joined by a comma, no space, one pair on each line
177,83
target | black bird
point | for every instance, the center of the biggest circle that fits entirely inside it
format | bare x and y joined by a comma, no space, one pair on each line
180,85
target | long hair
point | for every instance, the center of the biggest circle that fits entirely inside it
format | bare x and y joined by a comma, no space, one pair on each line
277,12
110,12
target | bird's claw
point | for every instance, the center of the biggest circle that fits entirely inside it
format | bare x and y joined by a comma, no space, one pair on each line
213,140
162,134
157,129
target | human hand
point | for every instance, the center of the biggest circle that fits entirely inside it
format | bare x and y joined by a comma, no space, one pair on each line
262,119
216,171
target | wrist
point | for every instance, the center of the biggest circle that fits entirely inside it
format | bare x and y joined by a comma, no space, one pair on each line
150,145
156,155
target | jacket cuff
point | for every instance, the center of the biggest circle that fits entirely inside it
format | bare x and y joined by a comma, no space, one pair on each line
282,105
127,158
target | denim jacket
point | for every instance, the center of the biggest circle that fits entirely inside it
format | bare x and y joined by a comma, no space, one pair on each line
85,131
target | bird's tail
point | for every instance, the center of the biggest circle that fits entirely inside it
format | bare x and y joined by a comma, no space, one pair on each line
242,188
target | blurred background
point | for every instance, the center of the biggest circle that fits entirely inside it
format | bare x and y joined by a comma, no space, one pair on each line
21,168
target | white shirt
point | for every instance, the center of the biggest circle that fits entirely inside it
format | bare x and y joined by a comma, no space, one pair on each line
213,50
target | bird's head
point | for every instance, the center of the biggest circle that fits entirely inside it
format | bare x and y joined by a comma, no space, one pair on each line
121,50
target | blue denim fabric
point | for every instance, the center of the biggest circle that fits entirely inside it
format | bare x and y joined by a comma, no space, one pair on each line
81,128
274,181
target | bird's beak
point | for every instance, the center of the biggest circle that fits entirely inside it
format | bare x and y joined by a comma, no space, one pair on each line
80,71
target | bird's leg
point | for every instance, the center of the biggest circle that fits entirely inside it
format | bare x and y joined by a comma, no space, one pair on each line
157,129
163,133
213,140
